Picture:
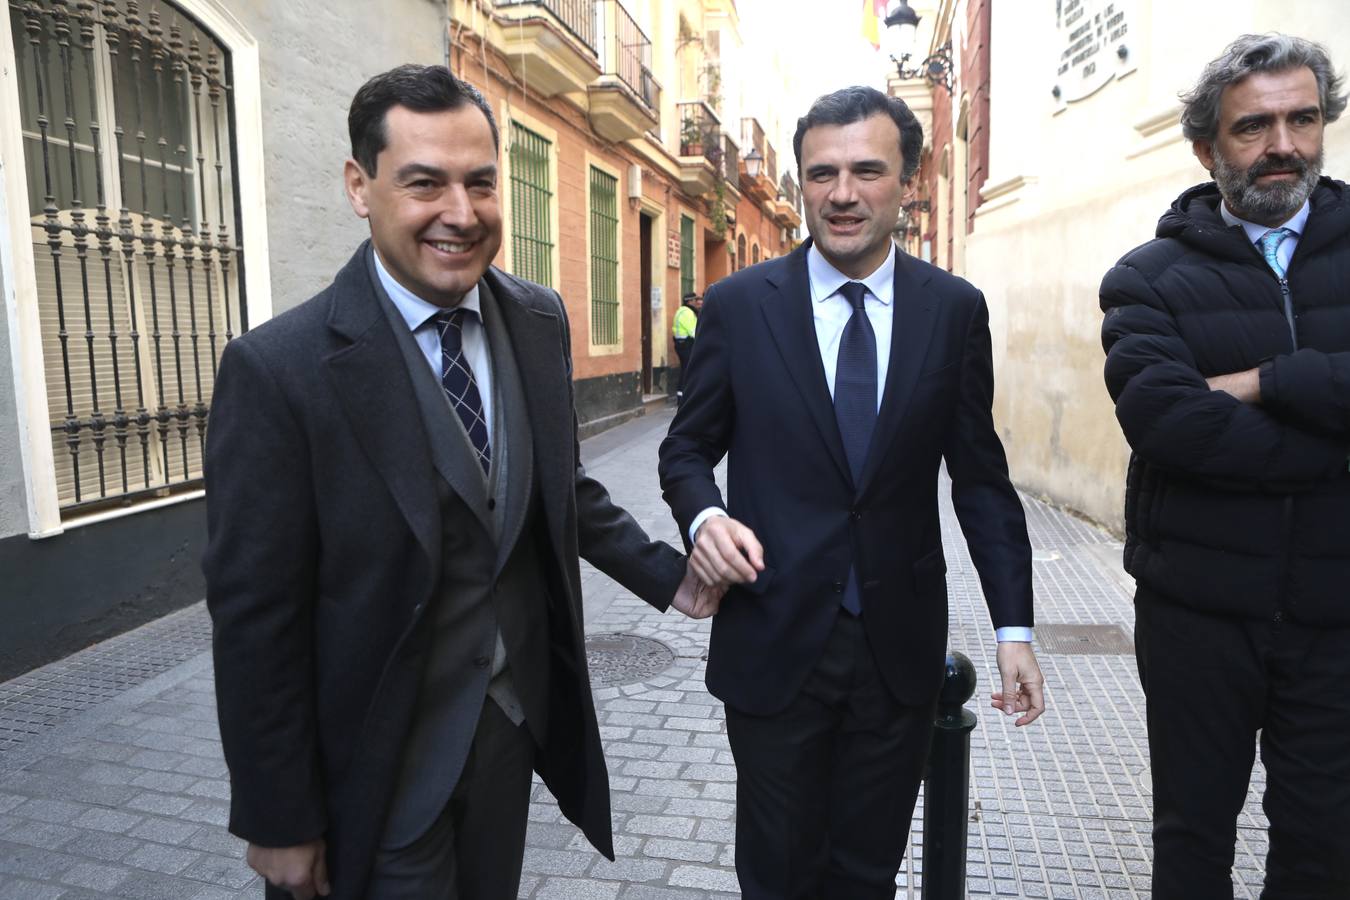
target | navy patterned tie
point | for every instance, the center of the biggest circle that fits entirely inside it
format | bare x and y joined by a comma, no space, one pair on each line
459,384
855,401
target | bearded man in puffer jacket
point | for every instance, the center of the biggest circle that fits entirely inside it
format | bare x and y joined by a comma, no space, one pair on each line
1228,358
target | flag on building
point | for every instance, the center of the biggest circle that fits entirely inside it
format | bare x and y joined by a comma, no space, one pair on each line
874,13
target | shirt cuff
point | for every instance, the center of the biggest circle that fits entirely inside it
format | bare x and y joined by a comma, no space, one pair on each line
703,517
1013,633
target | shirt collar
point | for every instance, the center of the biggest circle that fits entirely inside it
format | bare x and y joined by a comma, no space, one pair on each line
826,279
414,310
1297,222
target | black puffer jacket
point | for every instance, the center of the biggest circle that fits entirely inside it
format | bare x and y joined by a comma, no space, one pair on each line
1230,507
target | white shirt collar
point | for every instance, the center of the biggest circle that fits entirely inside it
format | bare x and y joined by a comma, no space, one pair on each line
826,279
414,310
1296,223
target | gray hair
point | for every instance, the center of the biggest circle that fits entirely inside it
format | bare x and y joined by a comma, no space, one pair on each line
1258,53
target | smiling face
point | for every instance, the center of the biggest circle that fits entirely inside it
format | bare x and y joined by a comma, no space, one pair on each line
1267,155
852,191
434,214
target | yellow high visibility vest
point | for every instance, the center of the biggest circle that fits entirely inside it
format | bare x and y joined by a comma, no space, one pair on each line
685,324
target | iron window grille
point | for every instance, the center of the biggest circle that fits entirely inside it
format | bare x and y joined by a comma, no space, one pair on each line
531,201
686,255
604,258
125,116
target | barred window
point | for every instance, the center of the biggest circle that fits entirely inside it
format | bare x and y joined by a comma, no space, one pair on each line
754,254
740,252
125,112
531,196
686,255
604,257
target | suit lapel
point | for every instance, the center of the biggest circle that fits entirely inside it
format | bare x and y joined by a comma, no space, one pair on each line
911,331
513,415
376,392
790,319
536,337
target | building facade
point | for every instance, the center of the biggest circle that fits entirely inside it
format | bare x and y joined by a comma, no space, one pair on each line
1056,151
171,178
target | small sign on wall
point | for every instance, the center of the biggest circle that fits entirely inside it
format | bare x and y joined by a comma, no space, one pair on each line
673,249
656,301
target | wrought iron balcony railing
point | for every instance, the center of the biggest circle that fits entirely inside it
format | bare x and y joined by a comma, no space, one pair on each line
577,16
699,131
731,158
631,59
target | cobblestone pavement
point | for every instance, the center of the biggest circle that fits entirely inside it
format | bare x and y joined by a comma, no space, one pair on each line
112,782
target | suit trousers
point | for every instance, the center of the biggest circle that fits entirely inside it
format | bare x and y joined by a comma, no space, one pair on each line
825,789
1212,684
475,848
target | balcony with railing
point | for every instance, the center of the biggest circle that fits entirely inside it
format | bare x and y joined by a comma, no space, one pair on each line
731,161
760,186
789,204
700,146
551,45
625,101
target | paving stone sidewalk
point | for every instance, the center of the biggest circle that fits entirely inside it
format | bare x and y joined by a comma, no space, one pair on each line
112,782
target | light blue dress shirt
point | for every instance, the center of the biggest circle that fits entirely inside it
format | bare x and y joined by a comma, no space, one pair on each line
418,313
1297,223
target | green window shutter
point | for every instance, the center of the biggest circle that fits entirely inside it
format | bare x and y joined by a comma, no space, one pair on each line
604,258
531,197
686,255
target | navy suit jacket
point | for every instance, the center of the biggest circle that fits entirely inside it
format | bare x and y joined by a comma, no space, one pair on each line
756,391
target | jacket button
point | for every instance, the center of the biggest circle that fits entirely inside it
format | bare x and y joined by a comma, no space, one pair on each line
481,662
838,587
855,515
492,503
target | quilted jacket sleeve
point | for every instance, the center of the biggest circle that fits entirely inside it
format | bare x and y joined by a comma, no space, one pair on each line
1172,419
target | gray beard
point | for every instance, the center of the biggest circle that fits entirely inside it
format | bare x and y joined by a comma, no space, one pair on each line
1250,200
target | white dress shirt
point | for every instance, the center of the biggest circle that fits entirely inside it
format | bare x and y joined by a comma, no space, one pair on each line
1297,223
420,316
830,312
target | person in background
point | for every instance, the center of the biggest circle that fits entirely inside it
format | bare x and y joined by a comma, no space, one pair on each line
683,331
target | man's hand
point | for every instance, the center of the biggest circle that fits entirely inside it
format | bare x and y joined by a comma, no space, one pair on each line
696,599
302,869
726,552
1023,686
1245,386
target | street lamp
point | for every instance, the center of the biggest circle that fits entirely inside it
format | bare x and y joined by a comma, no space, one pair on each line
935,69
752,161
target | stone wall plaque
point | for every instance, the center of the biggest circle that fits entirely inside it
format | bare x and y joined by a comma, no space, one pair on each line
1091,35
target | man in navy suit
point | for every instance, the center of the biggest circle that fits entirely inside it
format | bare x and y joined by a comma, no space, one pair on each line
838,379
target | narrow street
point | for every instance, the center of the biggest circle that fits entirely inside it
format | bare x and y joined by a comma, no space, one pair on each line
112,782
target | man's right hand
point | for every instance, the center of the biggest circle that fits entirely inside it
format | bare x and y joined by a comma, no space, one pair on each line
302,870
726,552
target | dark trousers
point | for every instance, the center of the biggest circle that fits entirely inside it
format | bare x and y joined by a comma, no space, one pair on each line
474,849
684,348
1212,684
825,789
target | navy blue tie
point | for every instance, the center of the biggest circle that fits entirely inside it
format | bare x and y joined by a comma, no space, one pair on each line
460,386
855,401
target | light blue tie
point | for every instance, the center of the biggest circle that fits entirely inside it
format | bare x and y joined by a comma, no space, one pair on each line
1270,245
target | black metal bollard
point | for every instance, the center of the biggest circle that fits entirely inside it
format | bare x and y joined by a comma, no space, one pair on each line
946,793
